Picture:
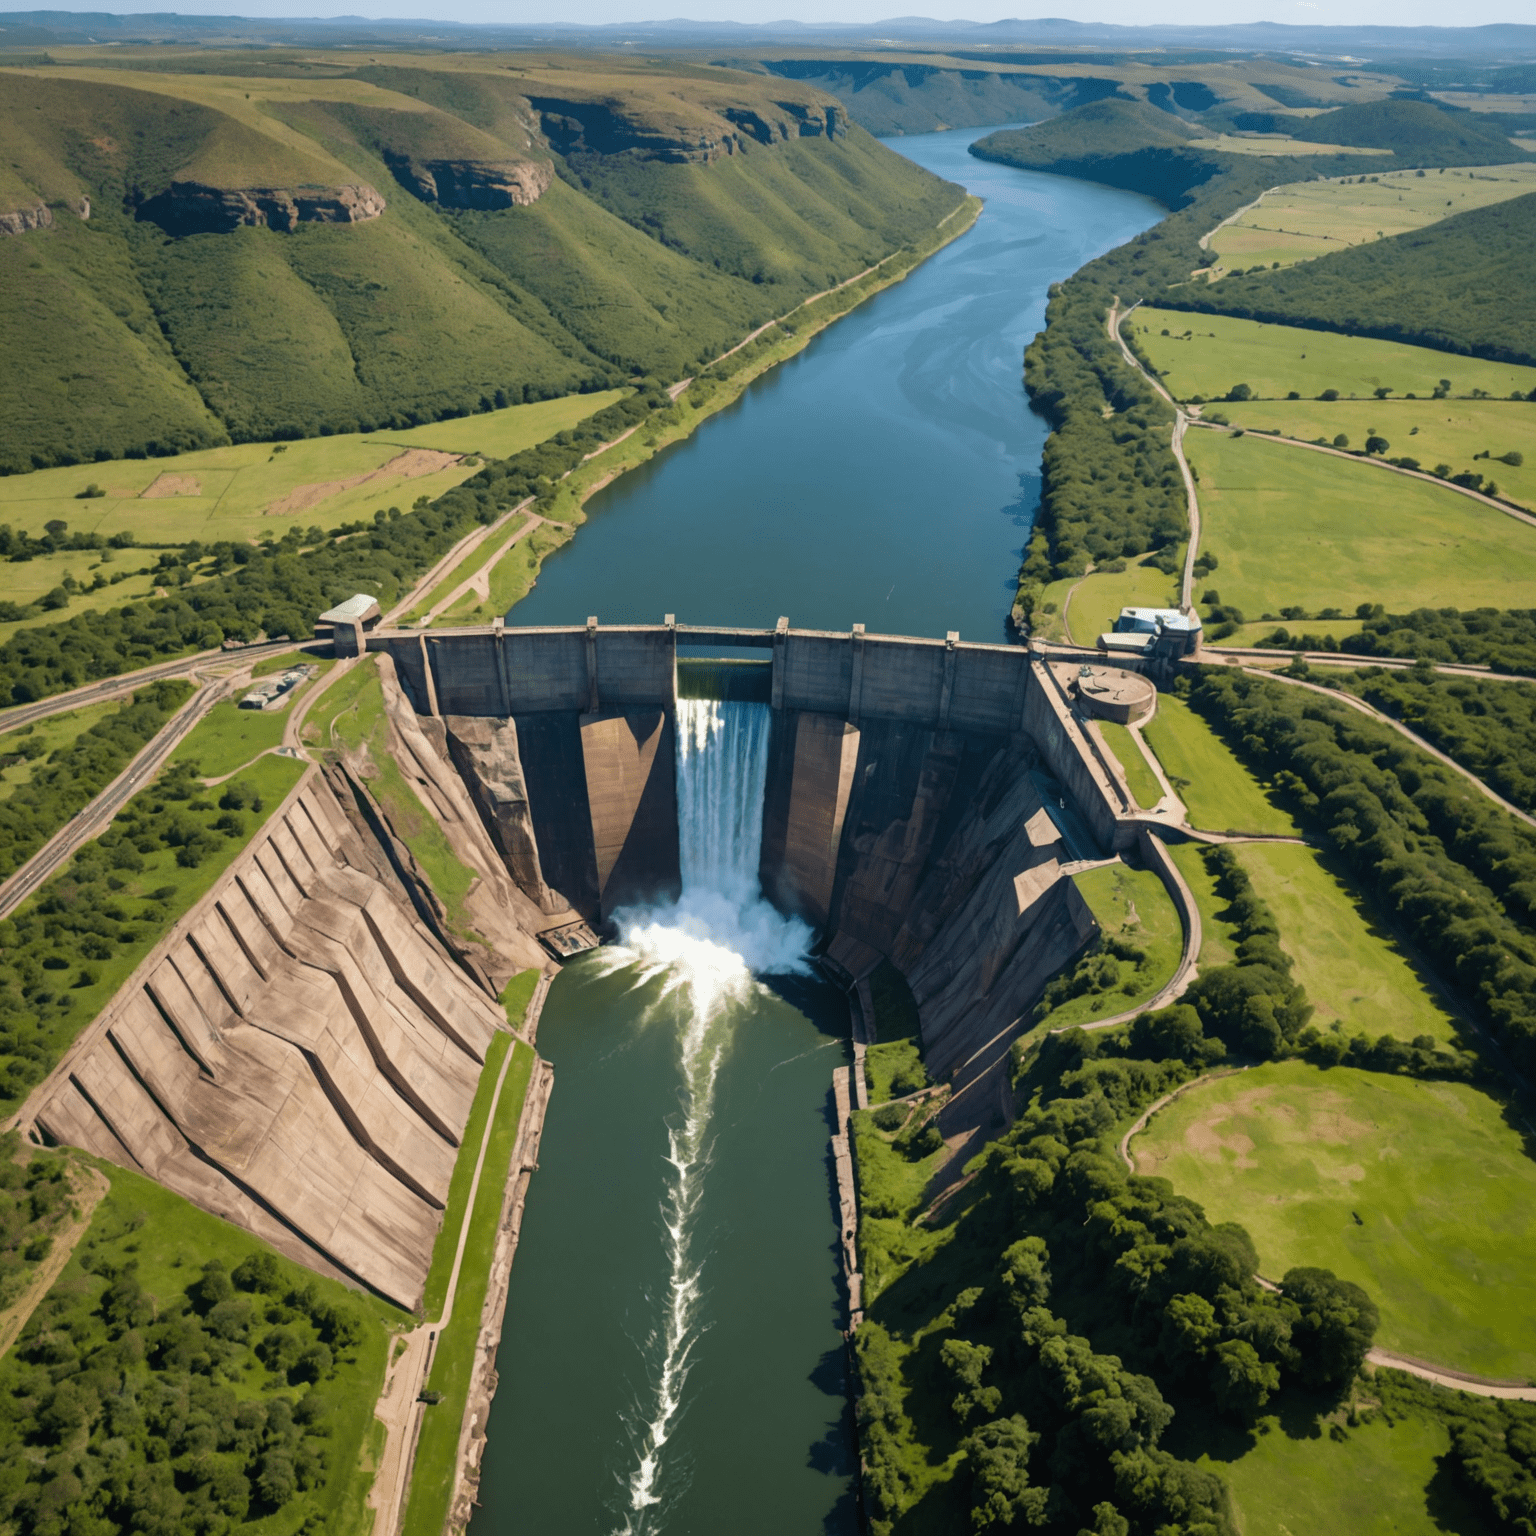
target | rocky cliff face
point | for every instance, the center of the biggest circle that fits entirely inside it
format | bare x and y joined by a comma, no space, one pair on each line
604,127
19,220
190,207
479,184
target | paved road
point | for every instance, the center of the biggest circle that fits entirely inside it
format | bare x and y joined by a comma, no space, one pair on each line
125,682
94,819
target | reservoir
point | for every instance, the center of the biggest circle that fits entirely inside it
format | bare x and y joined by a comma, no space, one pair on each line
672,1357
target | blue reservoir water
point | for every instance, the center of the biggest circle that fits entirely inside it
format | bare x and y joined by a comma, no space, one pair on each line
887,475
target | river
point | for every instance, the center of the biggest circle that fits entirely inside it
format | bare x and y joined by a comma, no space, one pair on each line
672,1359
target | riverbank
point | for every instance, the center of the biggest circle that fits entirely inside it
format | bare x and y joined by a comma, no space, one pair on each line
695,400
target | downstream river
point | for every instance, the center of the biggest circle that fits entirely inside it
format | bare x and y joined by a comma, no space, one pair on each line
672,1359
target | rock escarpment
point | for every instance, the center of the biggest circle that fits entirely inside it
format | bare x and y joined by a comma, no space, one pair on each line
19,220
482,184
194,208
608,127
299,1057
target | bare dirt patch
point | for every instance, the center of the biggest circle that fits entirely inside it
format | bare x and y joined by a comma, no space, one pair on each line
172,485
410,465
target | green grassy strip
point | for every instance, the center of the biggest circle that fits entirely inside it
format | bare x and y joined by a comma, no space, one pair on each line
432,1478
1139,778
467,567
447,1245
517,994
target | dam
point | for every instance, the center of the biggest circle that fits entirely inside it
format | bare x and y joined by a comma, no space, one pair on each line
923,801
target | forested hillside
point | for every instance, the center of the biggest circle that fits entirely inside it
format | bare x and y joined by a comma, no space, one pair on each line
1460,286
261,253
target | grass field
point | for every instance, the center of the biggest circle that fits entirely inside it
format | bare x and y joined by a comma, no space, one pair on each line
489,549
1277,144
433,1475
1211,354
1131,905
1097,602
1219,792
1380,1480
225,493
1218,938
24,581
1139,777
1311,218
53,733
1420,1192
1292,527
1356,974
1453,432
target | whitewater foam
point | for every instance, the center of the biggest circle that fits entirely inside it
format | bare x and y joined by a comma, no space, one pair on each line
703,953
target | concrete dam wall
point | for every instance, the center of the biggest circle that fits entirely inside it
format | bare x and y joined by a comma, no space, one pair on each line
926,803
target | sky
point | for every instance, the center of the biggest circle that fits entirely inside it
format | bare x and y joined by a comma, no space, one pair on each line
1124,12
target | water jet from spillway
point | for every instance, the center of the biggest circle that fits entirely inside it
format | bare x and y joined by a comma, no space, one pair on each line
703,954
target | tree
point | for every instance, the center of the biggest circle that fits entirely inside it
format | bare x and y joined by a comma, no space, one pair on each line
1376,444
965,1362
998,1456
1337,1323
1241,1381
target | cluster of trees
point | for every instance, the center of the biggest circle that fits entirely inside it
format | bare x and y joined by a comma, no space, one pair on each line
118,1408
1457,286
1504,640
1489,727
77,772
18,544
1493,1446
1457,873
35,1199
107,901
279,587
1074,1307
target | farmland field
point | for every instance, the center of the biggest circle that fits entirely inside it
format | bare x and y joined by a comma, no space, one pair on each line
1419,1191
251,490
1311,218
1208,355
1310,529
1452,432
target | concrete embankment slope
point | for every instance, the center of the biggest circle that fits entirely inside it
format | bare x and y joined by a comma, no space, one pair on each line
299,1056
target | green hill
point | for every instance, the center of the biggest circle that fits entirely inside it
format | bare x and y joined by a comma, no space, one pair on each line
259,253
1417,132
1462,285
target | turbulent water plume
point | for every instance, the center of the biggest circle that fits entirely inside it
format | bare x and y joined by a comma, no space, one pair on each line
704,952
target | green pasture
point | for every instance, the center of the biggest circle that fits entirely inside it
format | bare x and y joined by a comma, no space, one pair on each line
1218,938
1421,1192
1220,793
1100,596
1277,144
1139,777
1463,434
1356,974
23,582
51,734
1211,354
488,549
226,493
1292,527
1252,633
1381,1479
1311,218
436,1466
